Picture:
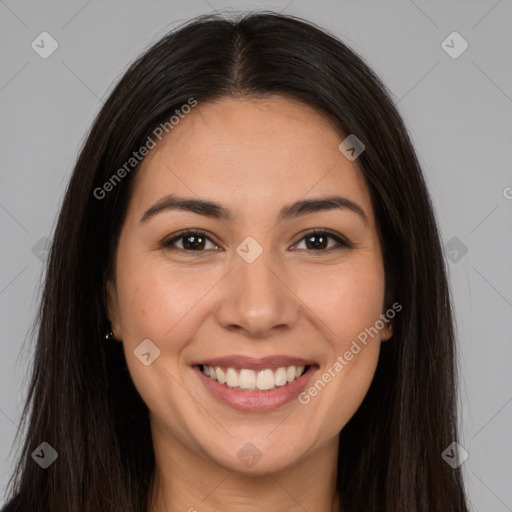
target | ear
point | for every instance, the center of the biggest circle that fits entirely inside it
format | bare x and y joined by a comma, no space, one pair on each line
386,331
113,313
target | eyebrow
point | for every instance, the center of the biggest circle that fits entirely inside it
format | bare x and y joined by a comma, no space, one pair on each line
217,211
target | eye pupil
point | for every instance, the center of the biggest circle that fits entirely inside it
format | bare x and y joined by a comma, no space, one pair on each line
319,245
189,244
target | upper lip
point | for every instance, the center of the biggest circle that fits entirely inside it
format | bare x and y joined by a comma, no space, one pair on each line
253,363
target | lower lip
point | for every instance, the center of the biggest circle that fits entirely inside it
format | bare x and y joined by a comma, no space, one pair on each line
256,401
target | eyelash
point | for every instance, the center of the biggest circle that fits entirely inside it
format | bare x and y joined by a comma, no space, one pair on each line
342,243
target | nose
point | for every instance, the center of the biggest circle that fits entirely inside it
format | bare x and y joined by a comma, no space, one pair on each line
257,299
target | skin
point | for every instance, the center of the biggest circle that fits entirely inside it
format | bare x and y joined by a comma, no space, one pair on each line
245,154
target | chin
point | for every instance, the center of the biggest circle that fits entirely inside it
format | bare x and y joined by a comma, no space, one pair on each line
253,459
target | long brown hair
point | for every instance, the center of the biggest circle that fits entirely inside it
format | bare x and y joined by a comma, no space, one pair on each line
81,399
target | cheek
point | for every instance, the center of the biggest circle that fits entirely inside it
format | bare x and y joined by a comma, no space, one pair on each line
159,303
347,301
156,296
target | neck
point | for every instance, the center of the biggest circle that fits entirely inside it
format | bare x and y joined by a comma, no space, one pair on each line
185,480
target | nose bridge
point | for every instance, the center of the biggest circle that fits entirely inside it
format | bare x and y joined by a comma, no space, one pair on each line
256,297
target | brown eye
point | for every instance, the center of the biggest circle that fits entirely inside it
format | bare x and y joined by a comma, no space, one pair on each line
190,241
196,241
319,241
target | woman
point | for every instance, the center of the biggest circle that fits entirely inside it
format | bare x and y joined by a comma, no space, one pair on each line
198,351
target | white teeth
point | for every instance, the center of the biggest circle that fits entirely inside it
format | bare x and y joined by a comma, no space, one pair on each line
280,376
250,380
247,379
232,378
221,376
266,380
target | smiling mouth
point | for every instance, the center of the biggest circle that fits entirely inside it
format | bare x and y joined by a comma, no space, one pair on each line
246,379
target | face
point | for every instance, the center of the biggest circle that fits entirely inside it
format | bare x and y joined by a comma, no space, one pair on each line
269,299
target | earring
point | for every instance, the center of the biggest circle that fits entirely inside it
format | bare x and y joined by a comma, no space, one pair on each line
109,336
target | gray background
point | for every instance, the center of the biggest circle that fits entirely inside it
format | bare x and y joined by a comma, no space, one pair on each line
458,111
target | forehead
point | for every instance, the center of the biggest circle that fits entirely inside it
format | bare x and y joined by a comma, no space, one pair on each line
247,153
